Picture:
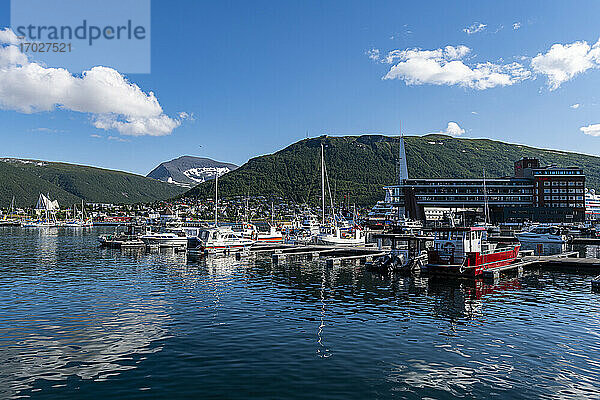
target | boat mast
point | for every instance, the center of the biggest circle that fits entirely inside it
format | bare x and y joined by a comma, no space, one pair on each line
322,184
216,195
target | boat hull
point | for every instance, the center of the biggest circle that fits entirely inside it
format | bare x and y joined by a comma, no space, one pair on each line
475,263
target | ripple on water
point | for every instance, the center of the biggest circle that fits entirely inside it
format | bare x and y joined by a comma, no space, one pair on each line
77,319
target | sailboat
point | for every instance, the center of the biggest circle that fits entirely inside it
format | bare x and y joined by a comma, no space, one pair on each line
217,238
46,207
9,219
334,233
82,222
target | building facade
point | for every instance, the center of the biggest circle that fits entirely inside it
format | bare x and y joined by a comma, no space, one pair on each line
534,193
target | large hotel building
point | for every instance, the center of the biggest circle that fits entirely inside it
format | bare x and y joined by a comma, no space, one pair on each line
533,193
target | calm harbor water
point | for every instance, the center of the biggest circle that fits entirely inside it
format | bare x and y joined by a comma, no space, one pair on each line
84,322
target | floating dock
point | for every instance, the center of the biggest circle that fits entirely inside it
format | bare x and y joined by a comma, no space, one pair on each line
568,261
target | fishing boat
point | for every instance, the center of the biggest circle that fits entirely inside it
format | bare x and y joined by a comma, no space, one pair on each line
465,251
542,234
334,235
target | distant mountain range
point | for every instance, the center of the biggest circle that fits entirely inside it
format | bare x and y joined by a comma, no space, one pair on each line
188,171
359,166
70,183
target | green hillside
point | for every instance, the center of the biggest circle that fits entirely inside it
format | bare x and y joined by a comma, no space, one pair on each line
362,165
69,184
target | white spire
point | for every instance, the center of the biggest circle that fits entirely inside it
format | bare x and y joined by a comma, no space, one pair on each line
402,166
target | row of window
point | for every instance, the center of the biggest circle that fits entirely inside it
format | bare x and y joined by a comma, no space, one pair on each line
559,172
561,191
563,183
563,197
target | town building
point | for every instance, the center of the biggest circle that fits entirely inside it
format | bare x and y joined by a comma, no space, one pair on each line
533,193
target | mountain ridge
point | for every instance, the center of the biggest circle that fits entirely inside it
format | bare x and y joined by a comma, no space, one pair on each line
70,183
188,171
359,166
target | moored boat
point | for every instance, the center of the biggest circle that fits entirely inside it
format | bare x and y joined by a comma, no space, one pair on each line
175,238
465,251
542,234
219,239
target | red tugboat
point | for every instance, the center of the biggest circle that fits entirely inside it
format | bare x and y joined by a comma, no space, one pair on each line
466,252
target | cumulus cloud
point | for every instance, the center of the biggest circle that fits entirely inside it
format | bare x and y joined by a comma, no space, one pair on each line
113,101
516,25
8,36
592,130
575,106
474,28
563,62
446,67
453,129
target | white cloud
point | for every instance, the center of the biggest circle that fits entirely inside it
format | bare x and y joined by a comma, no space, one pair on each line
575,106
516,25
474,113
453,129
117,139
474,28
95,136
592,130
445,67
113,101
373,54
8,36
562,62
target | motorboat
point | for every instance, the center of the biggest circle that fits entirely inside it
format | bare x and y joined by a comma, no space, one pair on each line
219,239
334,235
465,251
542,234
168,237
127,239
273,235
408,253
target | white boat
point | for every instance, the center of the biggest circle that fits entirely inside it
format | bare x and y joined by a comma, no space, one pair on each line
219,239
333,235
82,222
272,236
39,224
175,238
542,234
310,223
336,233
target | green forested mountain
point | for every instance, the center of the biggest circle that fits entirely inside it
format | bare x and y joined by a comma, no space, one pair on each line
362,165
69,184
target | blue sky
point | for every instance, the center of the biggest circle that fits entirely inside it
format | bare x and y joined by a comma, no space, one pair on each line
257,76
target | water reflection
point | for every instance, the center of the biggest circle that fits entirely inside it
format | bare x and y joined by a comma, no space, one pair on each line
231,328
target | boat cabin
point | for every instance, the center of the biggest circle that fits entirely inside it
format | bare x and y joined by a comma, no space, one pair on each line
451,245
